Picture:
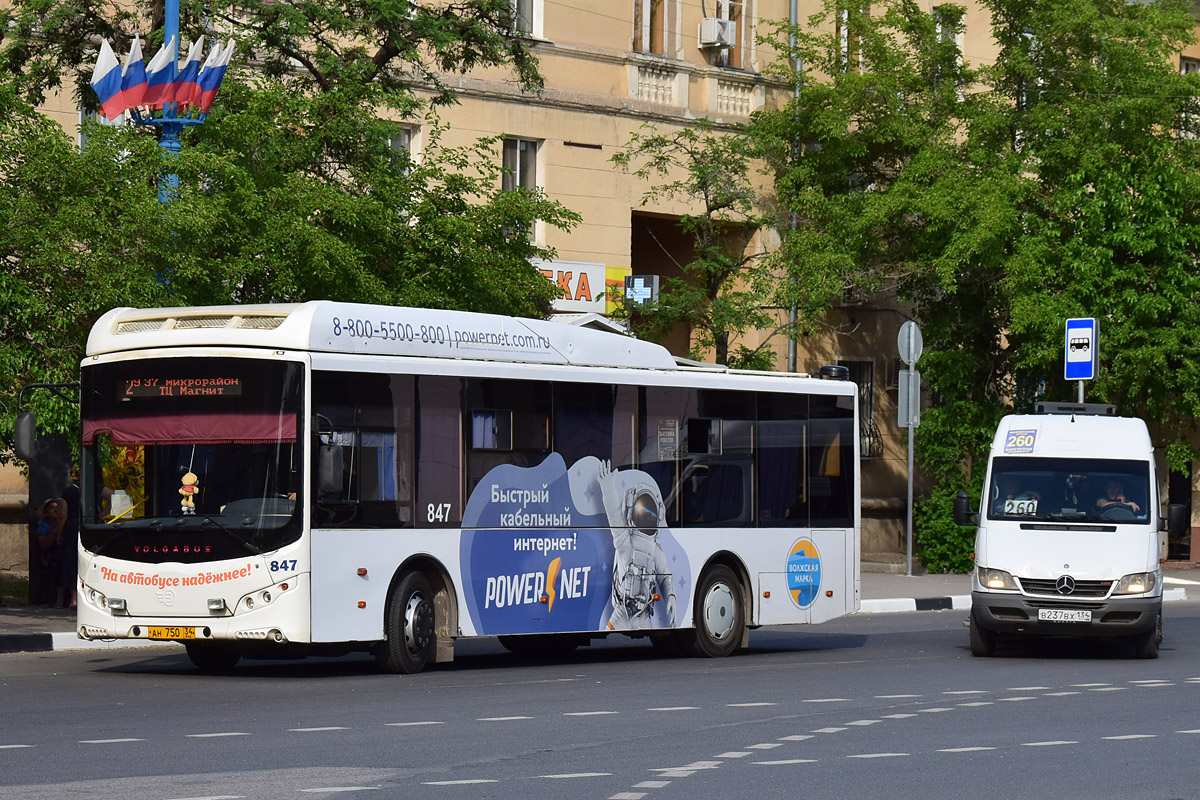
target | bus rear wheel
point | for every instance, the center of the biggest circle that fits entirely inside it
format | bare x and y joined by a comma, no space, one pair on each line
408,626
213,657
720,615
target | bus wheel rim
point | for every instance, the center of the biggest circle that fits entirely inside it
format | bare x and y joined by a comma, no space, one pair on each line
418,623
719,611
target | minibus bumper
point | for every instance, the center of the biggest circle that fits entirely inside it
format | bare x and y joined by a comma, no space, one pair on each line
1116,616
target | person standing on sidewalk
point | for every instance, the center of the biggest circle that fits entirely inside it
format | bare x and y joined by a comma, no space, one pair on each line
50,545
69,561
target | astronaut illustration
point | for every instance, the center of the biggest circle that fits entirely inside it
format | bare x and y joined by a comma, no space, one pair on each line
640,572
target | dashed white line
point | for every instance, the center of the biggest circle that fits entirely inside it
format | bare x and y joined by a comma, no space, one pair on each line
675,708
651,784
1192,731
749,705
862,723
787,761
1046,744
1109,689
14,746
1129,736
500,719
965,749
764,746
215,735
977,704
827,700
878,755
412,724
318,730
934,710
736,754
898,716
799,737
569,775
1015,699
628,796
109,741
1061,694
829,730
589,713
896,696
215,797
968,691
464,782
1089,685
1029,688
1155,680
340,789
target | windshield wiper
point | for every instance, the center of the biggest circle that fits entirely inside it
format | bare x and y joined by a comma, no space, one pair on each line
249,547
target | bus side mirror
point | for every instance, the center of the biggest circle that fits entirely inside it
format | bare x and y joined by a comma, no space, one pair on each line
1177,519
25,435
963,515
329,469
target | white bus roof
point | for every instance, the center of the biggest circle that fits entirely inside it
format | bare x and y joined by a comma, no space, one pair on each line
1072,436
361,329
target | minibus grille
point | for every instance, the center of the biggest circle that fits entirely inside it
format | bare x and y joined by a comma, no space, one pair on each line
1079,589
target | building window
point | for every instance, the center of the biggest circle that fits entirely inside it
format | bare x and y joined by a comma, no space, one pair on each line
520,164
862,372
528,17
1189,121
732,11
849,43
649,26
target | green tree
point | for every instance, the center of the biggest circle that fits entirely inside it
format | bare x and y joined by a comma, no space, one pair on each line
290,191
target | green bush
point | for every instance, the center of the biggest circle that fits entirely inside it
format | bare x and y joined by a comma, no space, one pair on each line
943,546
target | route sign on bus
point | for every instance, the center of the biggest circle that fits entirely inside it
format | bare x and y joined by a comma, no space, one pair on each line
1080,348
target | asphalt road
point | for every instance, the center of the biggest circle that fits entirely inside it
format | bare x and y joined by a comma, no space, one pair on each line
885,706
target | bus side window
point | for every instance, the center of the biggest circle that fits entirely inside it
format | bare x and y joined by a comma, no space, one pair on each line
831,461
782,456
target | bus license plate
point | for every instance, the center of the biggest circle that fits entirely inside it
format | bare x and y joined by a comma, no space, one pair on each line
171,632
1064,615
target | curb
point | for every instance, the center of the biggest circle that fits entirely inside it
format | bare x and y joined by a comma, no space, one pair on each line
957,601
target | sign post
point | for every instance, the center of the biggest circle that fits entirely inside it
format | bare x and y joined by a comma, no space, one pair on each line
910,344
1081,348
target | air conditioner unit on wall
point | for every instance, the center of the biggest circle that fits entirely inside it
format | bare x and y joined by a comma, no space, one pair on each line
717,32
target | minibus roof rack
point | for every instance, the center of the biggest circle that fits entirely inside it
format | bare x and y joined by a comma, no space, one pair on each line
1094,409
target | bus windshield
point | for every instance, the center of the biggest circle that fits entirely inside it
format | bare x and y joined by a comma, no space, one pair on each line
190,459
1069,490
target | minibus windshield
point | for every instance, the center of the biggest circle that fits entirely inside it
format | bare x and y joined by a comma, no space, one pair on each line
1069,490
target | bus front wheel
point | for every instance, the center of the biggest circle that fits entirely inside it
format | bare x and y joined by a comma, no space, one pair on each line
409,626
720,615
215,657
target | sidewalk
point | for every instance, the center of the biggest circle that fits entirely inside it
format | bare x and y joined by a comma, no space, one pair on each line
38,628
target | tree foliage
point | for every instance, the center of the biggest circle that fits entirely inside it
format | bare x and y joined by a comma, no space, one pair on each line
290,191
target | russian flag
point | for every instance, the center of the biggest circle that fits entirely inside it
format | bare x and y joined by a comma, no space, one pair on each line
106,80
158,75
210,79
185,84
214,54
133,82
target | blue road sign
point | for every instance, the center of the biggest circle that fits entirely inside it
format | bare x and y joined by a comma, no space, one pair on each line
1081,348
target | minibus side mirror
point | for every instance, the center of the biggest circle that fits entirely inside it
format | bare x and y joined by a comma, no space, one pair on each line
25,435
329,469
963,515
1177,519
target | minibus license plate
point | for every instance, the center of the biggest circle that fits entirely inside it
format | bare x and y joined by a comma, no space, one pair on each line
1064,615
171,632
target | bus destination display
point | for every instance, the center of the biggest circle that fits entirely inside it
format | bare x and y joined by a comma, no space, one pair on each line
181,387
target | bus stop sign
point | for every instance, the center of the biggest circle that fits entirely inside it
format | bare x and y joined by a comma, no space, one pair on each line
1080,349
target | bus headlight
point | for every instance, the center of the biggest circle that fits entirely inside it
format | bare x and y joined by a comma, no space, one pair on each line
1137,583
996,579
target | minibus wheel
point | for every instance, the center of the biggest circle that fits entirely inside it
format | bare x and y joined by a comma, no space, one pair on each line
983,641
720,615
1145,645
408,626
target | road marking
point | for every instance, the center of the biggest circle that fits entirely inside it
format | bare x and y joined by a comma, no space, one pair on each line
1028,688
965,749
1130,736
933,710
568,775
677,773
337,789
14,746
628,796
1046,744
896,696
898,716
1089,685
215,797
317,730
651,784
863,722
1061,694
1109,689
736,754
827,700
1152,684
799,737
749,705
829,730
214,735
411,724
675,708
500,719
1154,680
968,691
977,703
109,741
765,746
1192,731
1014,699
878,755
787,761
589,713
695,765
465,782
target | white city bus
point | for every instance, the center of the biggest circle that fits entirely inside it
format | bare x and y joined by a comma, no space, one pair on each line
280,480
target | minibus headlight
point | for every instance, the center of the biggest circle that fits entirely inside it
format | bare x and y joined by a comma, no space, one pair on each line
1137,583
996,579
